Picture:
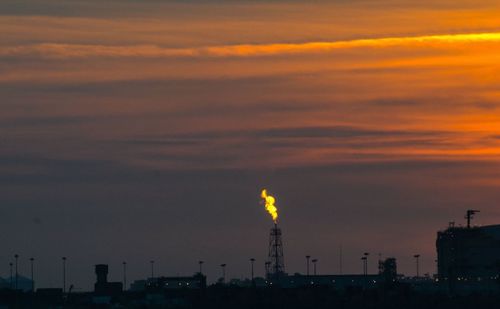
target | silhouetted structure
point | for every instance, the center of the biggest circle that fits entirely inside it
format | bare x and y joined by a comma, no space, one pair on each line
102,286
275,255
470,215
338,282
198,281
388,269
468,267
468,254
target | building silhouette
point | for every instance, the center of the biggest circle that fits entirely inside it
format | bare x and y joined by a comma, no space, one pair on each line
102,286
388,269
195,282
468,254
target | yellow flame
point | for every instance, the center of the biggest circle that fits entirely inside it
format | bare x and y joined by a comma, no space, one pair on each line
271,209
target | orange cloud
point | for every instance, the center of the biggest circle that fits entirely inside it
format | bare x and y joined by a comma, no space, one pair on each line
54,50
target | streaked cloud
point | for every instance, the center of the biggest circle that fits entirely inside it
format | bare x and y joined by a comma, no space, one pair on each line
64,51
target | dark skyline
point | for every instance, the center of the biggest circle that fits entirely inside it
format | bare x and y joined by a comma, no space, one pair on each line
146,130
109,235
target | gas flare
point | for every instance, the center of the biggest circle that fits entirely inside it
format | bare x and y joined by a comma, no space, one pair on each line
271,209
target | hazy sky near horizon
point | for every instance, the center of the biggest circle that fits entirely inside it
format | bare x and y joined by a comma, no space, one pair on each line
139,130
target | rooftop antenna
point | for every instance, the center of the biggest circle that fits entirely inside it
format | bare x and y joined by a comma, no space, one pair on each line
470,215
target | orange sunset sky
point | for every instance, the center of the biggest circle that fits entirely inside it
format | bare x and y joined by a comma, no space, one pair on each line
126,119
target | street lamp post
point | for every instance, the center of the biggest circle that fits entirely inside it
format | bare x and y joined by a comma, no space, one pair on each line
437,267
417,257
200,263
363,258
366,254
64,273
152,262
16,256
223,266
252,260
124,276
11,279
32,275
314,265
307,261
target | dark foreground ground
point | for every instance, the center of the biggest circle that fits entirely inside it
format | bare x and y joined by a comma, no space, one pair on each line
235,297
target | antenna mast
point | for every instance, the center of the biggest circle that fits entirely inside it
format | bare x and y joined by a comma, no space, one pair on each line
470,215
275,256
